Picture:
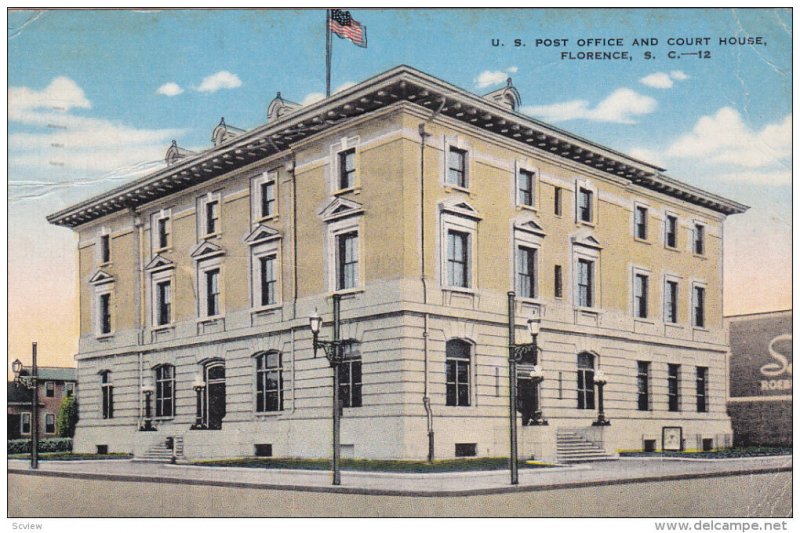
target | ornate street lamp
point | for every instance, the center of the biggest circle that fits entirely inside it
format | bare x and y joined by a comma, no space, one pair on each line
335,354
199,386
30,382
519,353
600,380
147,389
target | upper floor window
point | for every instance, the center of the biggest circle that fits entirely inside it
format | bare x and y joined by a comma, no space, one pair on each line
107,394
49,423
212,292
456,167
640,282
698,306
671,302
269,382
557,194
699,240
458,259
105,249
585,199
671,231
457,372
105,313
347,169
268,280
526,272
50,389
163,233
640,223
558,282
585,283
347,260
673,387
69,389
585,381
702,389
263,193
525,187
163,303
350,376
165,391
209,218
643,385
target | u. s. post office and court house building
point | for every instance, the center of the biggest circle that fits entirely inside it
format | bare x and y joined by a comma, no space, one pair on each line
422,205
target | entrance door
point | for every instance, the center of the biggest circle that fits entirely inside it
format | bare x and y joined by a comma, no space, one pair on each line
526,394
215,395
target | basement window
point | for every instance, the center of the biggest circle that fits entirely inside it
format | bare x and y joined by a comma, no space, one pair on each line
466,449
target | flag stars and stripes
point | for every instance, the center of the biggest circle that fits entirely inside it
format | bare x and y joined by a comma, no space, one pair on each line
346,27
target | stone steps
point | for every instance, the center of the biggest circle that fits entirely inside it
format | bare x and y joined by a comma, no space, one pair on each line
573,448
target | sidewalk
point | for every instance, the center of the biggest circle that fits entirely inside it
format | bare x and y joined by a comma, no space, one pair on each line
393,484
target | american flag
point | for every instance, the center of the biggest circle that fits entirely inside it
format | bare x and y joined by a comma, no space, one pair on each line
346,27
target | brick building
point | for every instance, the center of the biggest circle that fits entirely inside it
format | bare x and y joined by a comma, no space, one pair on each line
55,383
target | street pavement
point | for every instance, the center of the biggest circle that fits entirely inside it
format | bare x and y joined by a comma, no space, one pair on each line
624,471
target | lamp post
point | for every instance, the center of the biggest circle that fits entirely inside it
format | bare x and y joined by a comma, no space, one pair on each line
147,390
333,352
600,380
518,353
198,386
31,382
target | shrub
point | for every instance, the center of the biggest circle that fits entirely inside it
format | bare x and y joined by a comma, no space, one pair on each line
67,417
45,445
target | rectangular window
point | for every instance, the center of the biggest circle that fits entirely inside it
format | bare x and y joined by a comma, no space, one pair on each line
643,385
671,231
350,383
702,389
347,169
107,390
585,283
699,239
671,302
50,389
163,233
105,249
347,260
526,272
25,423
558,286
163,303
641,222
212,217
584,205
269,382
165,391
49,423
557,201
698,307
105,313
69,389
640,296
267,199
268,280
585,381
457,167
212,292
457,259
457,375
525,187
673,387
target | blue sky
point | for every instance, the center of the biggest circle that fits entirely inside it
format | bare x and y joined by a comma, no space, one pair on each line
721,123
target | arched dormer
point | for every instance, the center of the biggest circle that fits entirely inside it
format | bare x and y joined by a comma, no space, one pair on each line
279,107
222,132
507,97
176,153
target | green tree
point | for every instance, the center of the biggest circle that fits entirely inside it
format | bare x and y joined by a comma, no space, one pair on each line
67,417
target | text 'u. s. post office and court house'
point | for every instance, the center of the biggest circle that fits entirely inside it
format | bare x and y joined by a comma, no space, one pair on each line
422,205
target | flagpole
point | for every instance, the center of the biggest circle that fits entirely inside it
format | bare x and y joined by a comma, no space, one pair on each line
327,53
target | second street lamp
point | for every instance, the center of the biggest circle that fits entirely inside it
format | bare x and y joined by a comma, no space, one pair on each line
30,382
334,352
198,386
600,380
147,389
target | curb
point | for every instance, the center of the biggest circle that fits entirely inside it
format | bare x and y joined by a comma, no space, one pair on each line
396,492
704,460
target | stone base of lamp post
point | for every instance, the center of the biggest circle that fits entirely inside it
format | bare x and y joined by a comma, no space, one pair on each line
601,421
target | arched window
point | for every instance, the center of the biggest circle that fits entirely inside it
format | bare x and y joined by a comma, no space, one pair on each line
107,390
269,382
585,381
457,372
350,376
165,391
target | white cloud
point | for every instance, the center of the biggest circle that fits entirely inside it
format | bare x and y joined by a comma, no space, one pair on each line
311,98
62,94
622,107
170,89
219,80
488,78
663,80
724,138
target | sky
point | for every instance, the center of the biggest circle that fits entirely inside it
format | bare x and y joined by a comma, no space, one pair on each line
96,97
